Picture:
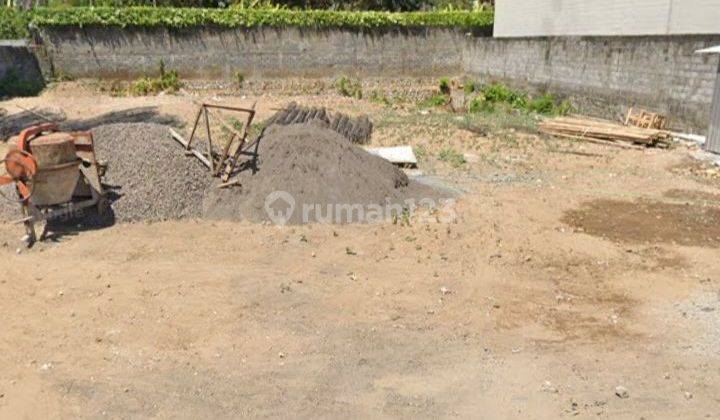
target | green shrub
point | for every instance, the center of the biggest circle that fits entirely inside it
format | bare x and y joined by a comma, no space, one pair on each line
451,156
497,96
349,87
496,92
479,104
13,23
251,17
435,101
544,104
470,87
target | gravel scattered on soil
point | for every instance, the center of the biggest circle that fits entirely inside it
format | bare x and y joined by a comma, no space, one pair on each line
321,171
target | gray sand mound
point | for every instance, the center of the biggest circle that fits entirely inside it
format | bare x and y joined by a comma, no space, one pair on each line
321,171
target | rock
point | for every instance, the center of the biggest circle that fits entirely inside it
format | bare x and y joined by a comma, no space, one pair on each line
688,395
622,392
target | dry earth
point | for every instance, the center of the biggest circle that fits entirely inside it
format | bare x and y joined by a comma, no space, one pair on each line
570,269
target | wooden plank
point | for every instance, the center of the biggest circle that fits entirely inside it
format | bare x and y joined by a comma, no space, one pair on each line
196,153
712,144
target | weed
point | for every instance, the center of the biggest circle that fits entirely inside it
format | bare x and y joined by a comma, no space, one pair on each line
239,79
380,98
349,87
434,101
452,156
168,81
444,86
544,104
479,104
470,87
420,152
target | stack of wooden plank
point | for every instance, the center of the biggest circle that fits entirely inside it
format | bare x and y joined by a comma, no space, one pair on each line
604,131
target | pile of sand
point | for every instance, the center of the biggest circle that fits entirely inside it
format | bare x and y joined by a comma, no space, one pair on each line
308,173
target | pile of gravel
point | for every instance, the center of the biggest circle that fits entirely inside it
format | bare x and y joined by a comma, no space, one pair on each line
320,170
149,177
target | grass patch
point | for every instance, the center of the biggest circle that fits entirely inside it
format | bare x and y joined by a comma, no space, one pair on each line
421,152
497,96
452,156
351,88
166,81
435,101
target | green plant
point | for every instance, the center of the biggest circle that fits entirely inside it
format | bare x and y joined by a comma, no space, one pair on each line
349,87
496,92
564,108
444,86
13,23
435,101
479,104
168,81
451,156
380,98
420,152
239,79
238,17
543,104
470,87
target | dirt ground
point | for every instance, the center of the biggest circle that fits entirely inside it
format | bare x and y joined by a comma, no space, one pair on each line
569,270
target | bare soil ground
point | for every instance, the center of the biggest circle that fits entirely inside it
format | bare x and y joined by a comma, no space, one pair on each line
569,270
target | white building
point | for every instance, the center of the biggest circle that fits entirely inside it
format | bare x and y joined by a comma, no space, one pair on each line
529,18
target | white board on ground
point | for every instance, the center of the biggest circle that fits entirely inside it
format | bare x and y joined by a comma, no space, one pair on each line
402,155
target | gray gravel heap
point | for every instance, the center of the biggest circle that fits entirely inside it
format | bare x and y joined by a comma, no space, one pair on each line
149,177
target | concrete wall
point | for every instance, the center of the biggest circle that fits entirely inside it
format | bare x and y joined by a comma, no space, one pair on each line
258,52
523,18
603,75
19,70
606,74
